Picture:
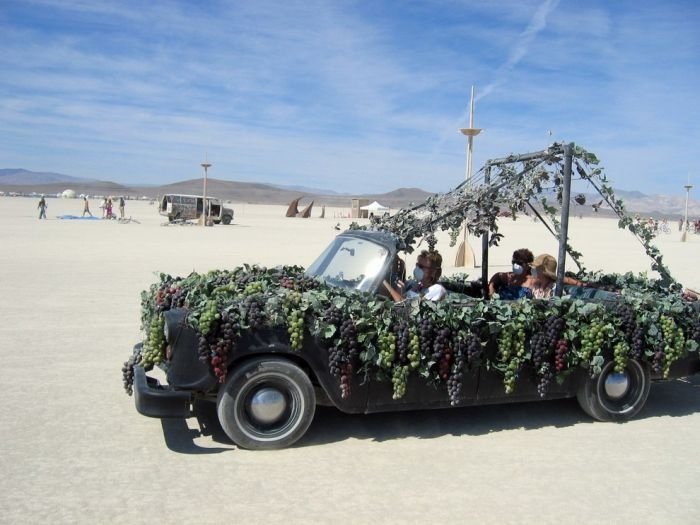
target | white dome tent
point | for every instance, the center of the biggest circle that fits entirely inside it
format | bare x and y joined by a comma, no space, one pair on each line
68,194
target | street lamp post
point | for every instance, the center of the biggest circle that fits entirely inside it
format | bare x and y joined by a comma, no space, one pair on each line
465,254
687,187
205,211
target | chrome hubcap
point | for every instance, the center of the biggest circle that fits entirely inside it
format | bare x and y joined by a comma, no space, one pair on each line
616,385
267,405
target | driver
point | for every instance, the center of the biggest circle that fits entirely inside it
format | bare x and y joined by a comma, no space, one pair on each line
425,280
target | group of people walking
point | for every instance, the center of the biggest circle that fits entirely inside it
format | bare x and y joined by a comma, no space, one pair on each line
106,206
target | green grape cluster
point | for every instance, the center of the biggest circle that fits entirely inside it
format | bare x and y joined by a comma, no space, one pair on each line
414,348
674,340
292,300
253,288
387,349
511,375
511,344
209,316
295,328
398,379
592,339
154,347
511,341
621,352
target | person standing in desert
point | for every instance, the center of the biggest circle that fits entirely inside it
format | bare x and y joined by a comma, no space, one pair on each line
86,207
42,208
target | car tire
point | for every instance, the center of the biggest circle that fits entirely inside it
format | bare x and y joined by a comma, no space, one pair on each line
266,404
612,396
226,219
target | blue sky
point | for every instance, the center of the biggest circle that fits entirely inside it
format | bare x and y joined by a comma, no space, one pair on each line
357,96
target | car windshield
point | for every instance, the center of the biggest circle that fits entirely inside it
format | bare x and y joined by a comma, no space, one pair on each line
350,263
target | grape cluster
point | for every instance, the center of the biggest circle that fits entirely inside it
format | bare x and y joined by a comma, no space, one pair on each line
154,347
203,348
633,332
637,347
592,339
621,352
442,353
659,360
548,341
674,342
219,358
209,318
342,357
128,371
473,348
545,379
627,320
169,296
539,349
560,353
426,336
387,349
403,340
216,346
398,379
299,283
511,346
333,315
511,341
413,348
511,375
254,309
456,378
295,328
252,288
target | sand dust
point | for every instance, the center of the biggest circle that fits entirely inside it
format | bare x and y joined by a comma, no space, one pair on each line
74,449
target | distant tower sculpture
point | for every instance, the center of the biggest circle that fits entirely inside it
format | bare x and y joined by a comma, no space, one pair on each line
465,254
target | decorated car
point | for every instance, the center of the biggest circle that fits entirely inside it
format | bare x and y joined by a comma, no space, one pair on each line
269,345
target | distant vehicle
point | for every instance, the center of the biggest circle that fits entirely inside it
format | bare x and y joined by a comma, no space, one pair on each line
189,207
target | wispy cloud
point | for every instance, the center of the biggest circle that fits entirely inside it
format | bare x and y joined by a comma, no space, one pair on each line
353,96
538,23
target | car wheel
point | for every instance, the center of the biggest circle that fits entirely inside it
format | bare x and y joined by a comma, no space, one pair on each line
613,396
266,404
226,219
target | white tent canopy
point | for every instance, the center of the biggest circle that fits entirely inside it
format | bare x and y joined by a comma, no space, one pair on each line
375,206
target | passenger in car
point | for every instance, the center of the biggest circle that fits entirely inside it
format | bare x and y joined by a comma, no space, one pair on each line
544,274
516,283
425,280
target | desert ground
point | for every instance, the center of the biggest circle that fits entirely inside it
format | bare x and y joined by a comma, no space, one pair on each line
74,449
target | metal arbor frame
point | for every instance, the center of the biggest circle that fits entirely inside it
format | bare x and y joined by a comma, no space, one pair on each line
512,182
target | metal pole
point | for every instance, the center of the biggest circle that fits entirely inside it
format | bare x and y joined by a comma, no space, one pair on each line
564,231
685,220
485,247
206,166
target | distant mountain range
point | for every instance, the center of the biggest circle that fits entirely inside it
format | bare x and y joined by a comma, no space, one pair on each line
25,181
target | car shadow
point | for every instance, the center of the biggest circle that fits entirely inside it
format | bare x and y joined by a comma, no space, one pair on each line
179,437
674,398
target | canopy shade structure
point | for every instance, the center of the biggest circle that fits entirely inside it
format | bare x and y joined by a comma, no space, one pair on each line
375,206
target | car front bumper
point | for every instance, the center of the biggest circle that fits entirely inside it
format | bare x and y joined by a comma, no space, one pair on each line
155,400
